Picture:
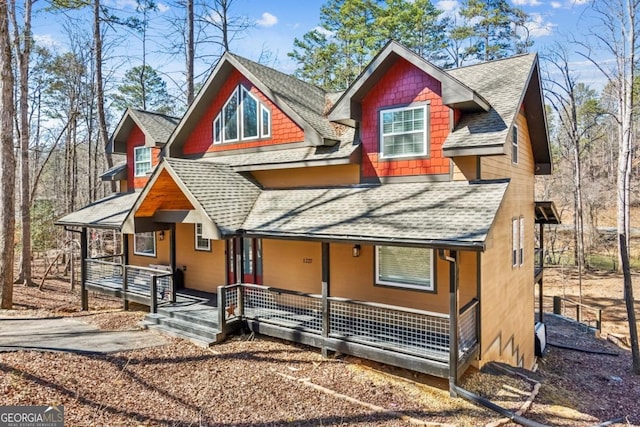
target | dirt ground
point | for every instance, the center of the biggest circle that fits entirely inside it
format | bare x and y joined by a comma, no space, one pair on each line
256,381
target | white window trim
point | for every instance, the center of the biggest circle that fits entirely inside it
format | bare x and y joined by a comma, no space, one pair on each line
218,119
136,162
200,248
514,145
521,251
235,93
425,150
515,237
268,134
155,247
243,92
430,288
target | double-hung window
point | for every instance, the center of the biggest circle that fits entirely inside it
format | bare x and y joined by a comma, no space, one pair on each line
202,244
405,267
515,235
404,132
144,244
514,145
243,118
142,160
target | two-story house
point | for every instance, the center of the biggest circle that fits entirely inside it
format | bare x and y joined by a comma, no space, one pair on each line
394,221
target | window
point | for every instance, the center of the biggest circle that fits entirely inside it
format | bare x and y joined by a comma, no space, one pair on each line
243,117
142,160
202,244
514,145
405,267
403,132
521,241
514,241
144,244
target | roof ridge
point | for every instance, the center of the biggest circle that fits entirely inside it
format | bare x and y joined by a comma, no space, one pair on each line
154,113
492,61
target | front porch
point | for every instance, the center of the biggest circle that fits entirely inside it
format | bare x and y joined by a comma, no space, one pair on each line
400,336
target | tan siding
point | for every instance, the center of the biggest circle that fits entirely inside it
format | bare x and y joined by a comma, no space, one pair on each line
507,292
162,252
284,265
465,168
123,186
205,269
309,177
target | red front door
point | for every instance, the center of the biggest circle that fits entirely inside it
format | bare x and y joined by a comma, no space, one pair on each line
252,260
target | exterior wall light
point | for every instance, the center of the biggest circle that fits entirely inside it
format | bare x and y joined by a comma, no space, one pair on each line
355,251
161,235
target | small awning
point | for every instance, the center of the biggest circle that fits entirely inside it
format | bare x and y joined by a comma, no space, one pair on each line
546,213
108,213
115,173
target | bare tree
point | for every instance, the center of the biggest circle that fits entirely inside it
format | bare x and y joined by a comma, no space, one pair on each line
7,162
617,33
22,43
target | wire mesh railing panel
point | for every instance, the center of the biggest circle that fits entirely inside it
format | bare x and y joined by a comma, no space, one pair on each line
139,281
231,302
468,328
296,311
100,272
406,331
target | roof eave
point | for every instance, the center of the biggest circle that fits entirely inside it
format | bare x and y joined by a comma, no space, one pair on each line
480,150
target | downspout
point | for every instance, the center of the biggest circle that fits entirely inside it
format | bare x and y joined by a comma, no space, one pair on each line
453,318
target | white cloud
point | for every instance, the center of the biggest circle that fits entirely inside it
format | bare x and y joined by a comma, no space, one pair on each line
448,5
162,8
46,40
556,4
267,20
538,27
324,31
527,2
580,2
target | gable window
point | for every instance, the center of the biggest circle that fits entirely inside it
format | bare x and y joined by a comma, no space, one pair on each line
403,132
142,160
202,244
514,145
405,267
515,234
144,244
243,117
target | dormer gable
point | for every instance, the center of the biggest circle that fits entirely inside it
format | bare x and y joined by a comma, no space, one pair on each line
155,127
299,102
348,110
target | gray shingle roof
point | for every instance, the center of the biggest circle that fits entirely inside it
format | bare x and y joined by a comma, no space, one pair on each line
429,213
109,212
117,172
225,196
308,101
502,83
343,150
159,126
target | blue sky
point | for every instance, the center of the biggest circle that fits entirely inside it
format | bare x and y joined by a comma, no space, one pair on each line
279,22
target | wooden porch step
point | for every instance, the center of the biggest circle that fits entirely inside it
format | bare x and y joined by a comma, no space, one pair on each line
199,335
201,316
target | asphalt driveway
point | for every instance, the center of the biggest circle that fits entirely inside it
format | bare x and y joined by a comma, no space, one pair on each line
69,335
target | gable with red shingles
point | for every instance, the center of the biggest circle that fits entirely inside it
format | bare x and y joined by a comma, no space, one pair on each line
283,129
136,138
404,84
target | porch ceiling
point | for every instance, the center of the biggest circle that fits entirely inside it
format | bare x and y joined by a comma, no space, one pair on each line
163,194
546,213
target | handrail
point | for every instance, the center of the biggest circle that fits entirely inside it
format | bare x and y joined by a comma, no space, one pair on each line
105,256
470,305
278,290
390,307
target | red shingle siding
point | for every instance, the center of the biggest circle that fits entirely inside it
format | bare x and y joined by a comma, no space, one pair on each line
283,129
136,139
402,85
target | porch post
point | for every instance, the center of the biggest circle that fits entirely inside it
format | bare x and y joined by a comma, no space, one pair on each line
239,260
84,251
453,323
172,259
125,262
326,307
540,296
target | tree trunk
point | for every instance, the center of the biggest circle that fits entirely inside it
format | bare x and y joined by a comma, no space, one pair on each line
628,300
7,163
190,52
102,118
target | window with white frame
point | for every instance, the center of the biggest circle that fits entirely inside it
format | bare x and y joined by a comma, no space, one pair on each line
405,267
142,160
521,240
243,117
515,234
202,244
144,244
514,144
404,132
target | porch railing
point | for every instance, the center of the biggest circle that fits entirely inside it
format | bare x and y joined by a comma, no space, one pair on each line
157,285
399,329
